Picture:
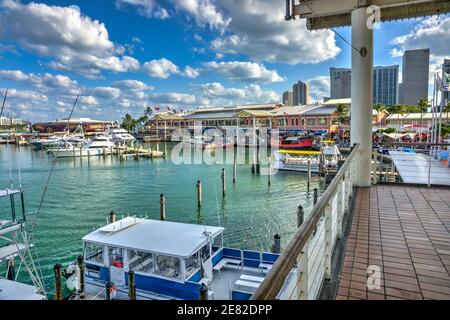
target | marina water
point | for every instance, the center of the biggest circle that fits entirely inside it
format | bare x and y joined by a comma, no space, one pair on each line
82,192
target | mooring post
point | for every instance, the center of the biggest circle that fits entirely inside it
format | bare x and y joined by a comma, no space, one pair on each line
73,151
58,281
112,216
199,193
11,274
309,174
315,196
203,292
223,182
300,216
234,168
269,173
162,207
131,285
276,248
253,168
110,290
80,264
81,153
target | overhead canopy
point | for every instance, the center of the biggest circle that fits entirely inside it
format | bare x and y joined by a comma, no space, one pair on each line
325,14
161,237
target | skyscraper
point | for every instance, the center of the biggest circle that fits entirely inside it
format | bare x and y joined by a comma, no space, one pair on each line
288,98
415,72
385,85
300,93
340,83
446,69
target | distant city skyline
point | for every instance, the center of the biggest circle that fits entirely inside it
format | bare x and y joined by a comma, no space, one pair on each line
178,54
415,75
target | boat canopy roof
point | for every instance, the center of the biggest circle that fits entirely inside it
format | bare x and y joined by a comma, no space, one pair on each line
7,192
298,151
155,236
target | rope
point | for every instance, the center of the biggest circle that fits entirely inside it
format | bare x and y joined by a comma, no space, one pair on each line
95,297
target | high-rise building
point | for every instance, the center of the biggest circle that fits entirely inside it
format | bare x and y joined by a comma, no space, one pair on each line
385,85
300,93
340,83
415,72
288,98
446,69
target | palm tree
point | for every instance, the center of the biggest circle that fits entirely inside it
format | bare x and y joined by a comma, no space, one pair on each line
399,109
342,112
446,109
129,123
423,106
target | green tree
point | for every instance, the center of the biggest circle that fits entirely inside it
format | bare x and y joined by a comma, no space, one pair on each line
379,107
446,110
129,123
343,115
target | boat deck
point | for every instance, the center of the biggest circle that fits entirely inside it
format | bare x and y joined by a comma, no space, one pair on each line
414,168
405,231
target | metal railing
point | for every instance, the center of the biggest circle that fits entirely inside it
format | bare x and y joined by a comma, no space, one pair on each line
302,267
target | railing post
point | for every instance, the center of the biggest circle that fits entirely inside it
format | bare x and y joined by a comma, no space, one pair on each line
328,239
302,274
339,211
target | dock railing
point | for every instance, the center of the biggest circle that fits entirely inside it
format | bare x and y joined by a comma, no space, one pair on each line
299,272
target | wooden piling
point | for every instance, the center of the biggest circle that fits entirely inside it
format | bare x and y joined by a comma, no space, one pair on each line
234,168
112,216
269,173
309,174
80,264
315,196
11,274
110,290
203,292
58,281
223,182
199,193
131,285
300,216
276,248
162,207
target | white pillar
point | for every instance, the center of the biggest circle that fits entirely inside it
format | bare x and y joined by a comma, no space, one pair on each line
361,107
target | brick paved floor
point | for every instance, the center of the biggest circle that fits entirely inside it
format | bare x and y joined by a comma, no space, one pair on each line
406,232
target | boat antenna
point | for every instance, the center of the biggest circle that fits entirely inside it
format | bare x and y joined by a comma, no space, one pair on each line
217,204
56,157
3,104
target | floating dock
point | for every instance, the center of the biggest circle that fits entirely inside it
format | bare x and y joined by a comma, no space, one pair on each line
414,168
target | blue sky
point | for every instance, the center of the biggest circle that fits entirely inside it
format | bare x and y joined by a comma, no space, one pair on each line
125,55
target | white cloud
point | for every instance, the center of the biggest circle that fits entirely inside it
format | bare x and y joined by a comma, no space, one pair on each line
71,40
173,98
161,68
244,71
204,12
134,85
319,88
145,8
106,92
215,93
257,28
191,72
25,95
88,100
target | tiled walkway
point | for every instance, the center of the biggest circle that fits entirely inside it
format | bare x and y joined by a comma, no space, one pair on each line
405,231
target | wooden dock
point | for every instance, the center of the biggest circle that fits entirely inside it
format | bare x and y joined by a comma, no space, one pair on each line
125,152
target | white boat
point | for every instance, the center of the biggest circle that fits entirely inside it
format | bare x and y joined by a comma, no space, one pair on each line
302,160
120,136
98,146
170,260
11,230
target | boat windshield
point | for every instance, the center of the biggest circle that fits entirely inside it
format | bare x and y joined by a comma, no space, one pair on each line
168,266
93,252
192,264
141,261
116,257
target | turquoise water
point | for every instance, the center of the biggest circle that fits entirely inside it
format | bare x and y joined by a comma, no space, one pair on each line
81,194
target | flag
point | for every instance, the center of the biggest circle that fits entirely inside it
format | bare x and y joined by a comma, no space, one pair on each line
446,82
157,108
168,108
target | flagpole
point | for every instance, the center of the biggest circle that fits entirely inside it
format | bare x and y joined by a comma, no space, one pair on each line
440,120
431,135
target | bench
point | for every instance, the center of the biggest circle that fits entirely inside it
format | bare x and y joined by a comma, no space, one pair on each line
226,261
246,285
251,278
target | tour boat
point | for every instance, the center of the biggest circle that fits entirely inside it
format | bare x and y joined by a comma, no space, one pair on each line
170,260
99,145
302,160
11,249
296,142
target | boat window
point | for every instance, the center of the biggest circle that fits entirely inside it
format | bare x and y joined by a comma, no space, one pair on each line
168,266
93,252
141,261
192,264
217,243
116,257
205,252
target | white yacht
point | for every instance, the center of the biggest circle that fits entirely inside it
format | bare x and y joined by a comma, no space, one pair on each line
99,145
120,136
